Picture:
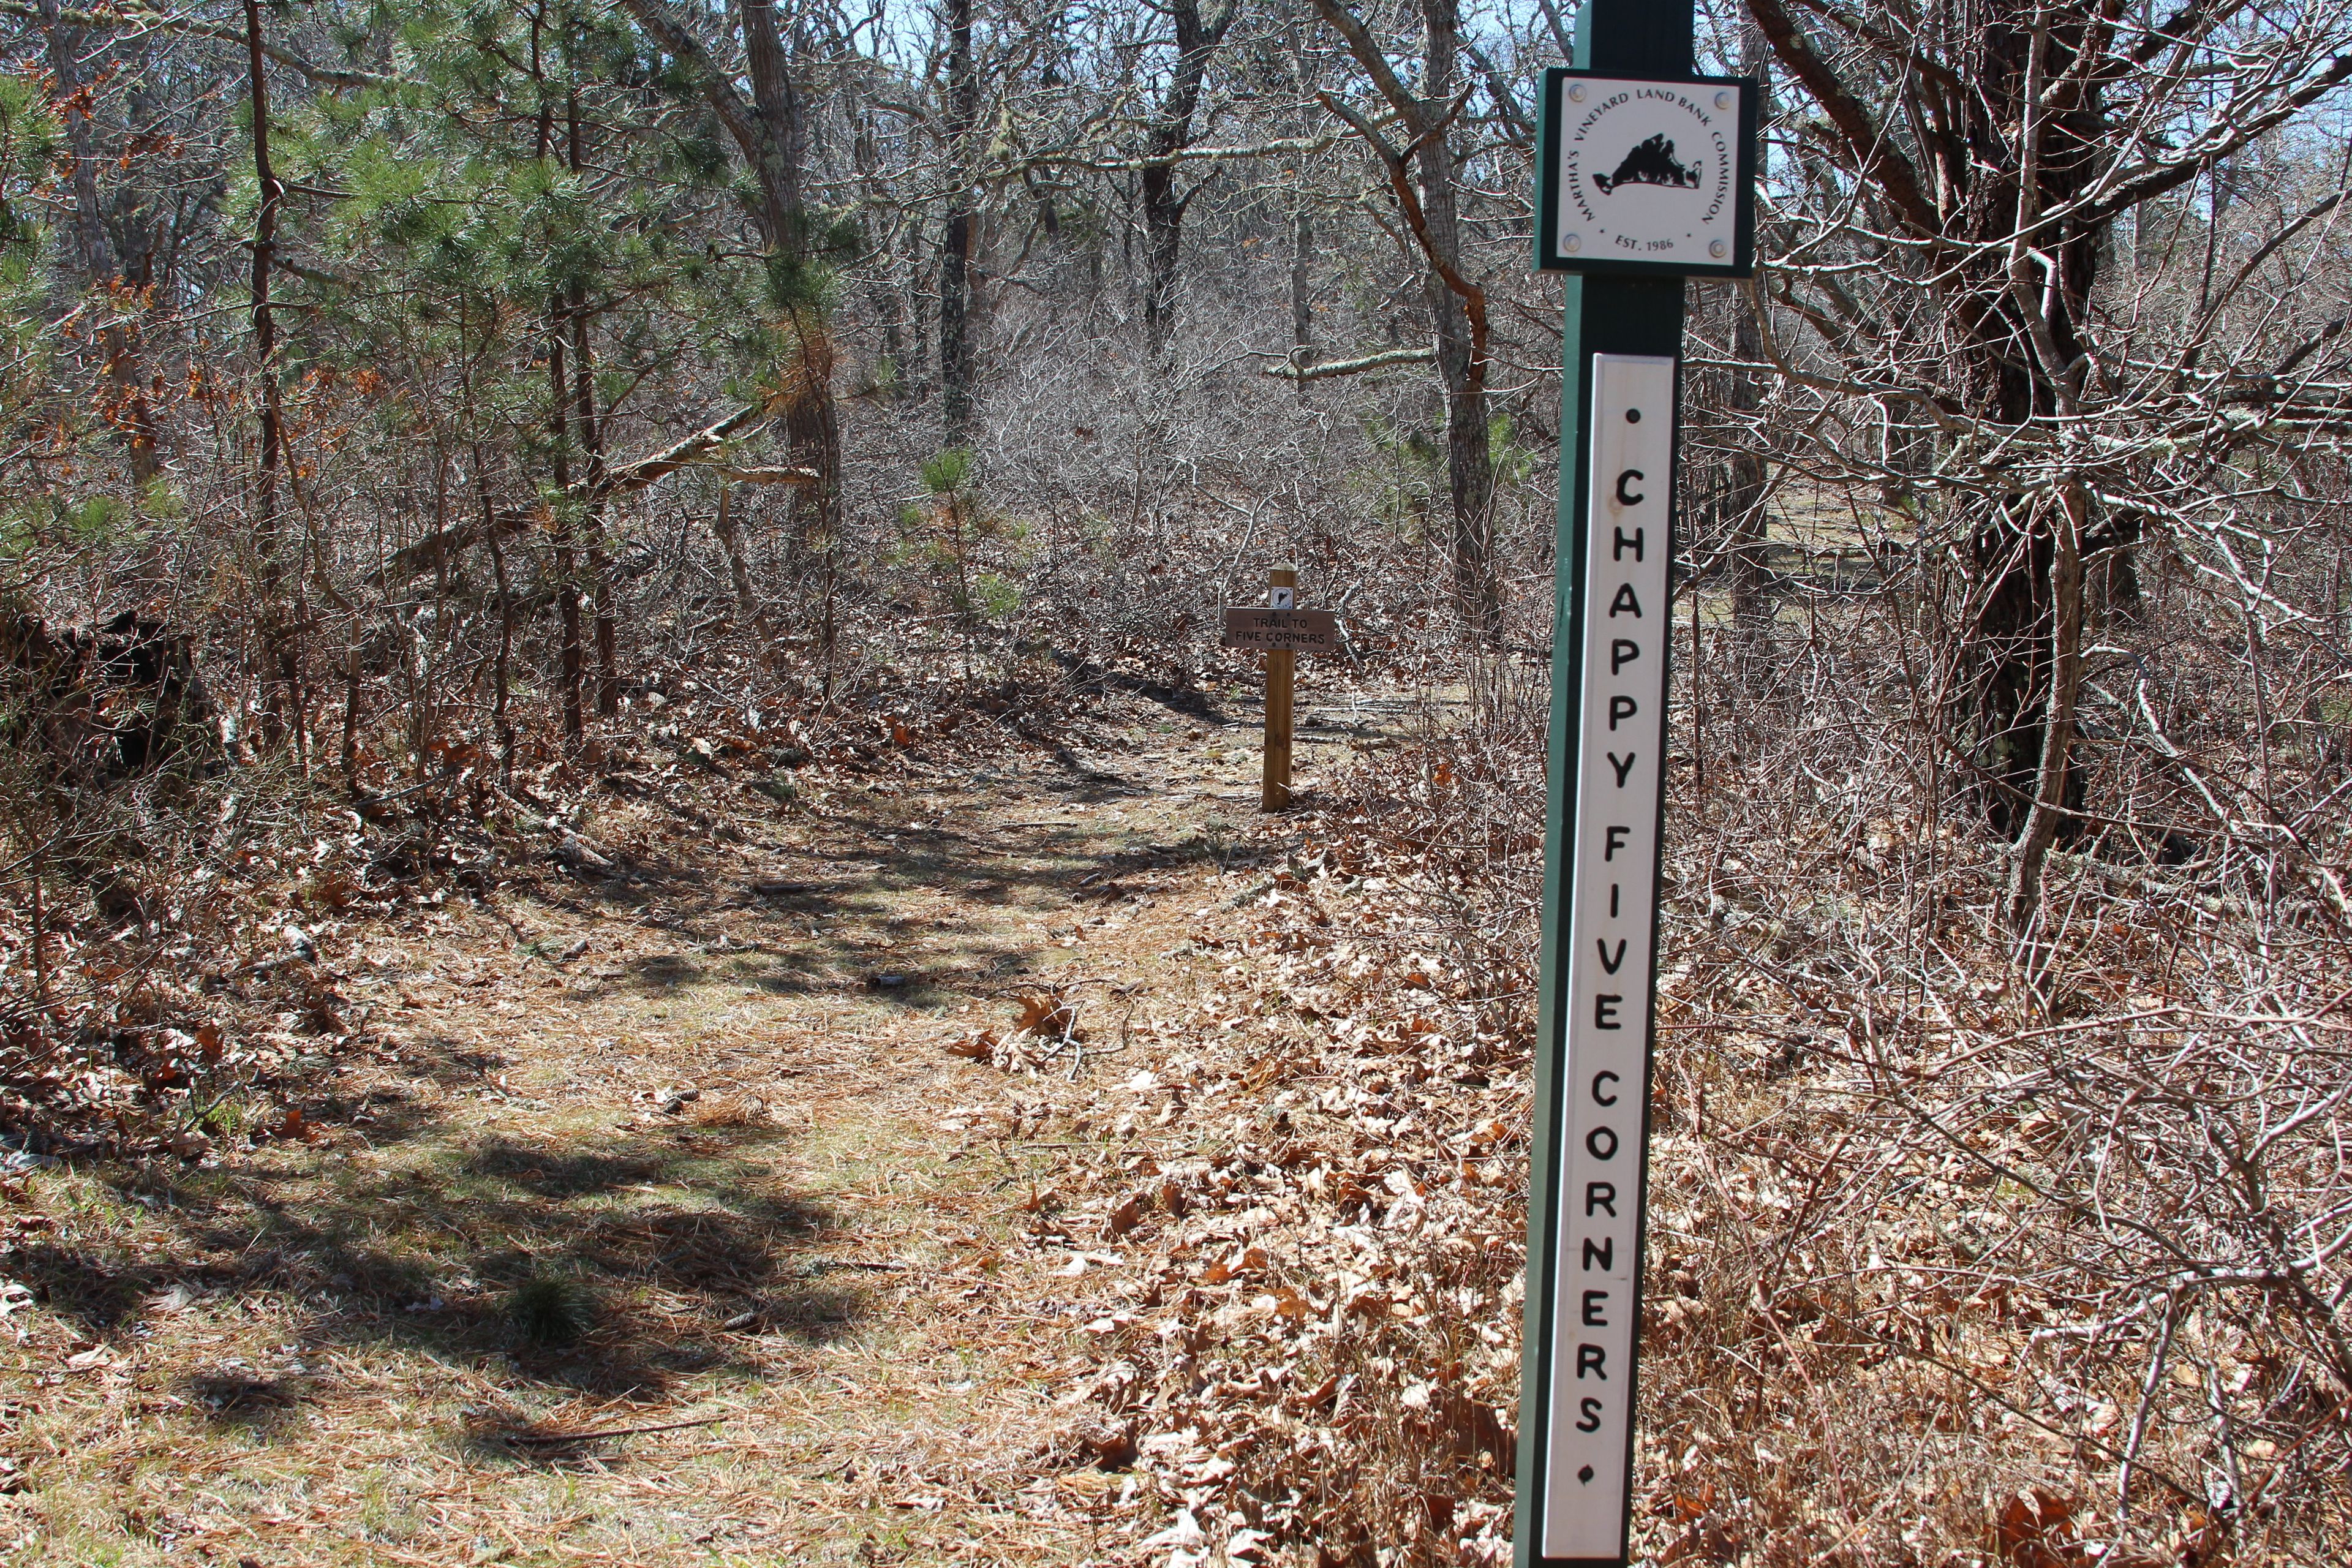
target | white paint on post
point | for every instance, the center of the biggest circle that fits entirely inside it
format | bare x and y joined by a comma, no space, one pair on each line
1596,1306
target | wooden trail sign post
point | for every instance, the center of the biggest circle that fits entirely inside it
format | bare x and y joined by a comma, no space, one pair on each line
1283,631
1281,663
1645,178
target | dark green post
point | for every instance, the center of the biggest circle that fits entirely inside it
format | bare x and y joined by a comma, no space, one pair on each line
1610,313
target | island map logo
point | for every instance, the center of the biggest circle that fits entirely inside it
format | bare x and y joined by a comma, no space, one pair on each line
1651,164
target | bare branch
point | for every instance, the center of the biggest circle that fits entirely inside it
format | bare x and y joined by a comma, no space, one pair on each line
1351,366
138,18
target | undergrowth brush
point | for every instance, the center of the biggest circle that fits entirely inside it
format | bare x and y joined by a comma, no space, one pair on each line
1957,1254
170,982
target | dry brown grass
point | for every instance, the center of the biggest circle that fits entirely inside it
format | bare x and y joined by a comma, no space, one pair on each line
821,1318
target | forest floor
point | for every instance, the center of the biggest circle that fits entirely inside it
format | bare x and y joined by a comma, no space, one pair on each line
654,1217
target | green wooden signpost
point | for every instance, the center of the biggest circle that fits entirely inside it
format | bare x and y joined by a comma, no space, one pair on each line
1645,178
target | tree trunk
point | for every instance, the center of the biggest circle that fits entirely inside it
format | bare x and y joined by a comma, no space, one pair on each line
601,579
812,427
601,582
955,328
917,368
2023,140
2008,711
1163,239
2054,799
1302,296
1461,348
1422,179
776,103
812,423
282,709
955,249
770,132
1172,132
501,718
1743,501
739,570
1743,497
567,564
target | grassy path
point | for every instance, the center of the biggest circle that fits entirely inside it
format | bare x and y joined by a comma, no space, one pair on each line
660,1225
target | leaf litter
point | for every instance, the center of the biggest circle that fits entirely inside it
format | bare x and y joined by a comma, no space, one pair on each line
1212,1254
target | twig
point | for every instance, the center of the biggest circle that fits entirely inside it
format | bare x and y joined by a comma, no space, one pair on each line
558,1438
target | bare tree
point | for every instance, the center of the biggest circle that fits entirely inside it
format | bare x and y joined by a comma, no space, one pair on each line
1745,496
956,353
117,256
1992,151
1170,132
1421,180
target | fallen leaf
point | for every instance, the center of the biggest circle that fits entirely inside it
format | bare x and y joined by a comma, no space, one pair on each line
1046,1014
1109,1444
980,1046
2036,1531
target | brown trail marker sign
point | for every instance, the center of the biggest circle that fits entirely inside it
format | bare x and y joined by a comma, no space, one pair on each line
1299,631
1645,177
1282,631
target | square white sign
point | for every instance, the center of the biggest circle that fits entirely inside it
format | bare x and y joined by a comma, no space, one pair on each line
1648,172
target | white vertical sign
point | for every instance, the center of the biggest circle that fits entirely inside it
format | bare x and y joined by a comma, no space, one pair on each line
1612,904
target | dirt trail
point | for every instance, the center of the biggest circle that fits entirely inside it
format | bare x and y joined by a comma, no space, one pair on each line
664,1226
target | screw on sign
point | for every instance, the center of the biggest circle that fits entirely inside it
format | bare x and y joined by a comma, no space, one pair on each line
1645,177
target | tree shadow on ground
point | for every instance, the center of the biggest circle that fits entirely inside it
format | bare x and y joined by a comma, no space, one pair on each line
845,932
843,926
680,1251
237,1400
